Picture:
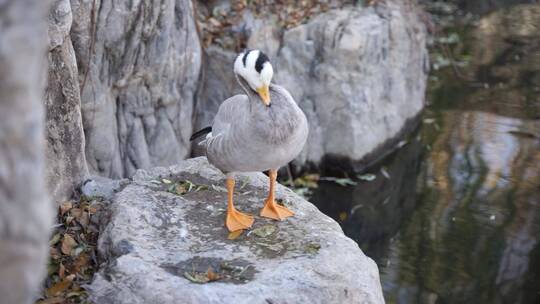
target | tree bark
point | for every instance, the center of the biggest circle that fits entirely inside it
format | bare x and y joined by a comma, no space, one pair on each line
25,211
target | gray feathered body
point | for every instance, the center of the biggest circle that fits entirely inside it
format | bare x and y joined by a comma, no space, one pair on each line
249,136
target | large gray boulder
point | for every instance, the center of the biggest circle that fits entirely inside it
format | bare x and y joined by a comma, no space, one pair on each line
66,162
25,210
359,74
139,63
157,243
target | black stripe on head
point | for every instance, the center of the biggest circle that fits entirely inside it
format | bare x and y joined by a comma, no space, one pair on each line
261,60
244,59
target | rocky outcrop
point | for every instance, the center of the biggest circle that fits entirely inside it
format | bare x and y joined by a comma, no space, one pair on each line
120,96
138,65
166,238
66,167
127,71
359,74
217,84
25,212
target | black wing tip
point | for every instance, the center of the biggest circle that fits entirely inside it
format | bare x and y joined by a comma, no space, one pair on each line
200,133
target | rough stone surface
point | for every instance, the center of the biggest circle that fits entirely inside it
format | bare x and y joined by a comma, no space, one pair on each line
217,84
154,237
358,73
98,186
25,211
66,165
139,63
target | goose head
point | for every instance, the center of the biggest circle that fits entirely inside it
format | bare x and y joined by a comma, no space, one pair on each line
254,67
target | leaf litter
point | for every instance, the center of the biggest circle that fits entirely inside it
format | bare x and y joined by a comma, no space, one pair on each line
72,252
263,231
219,23
203,277
183,187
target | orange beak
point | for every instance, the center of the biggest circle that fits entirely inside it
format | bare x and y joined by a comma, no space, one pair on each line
264,92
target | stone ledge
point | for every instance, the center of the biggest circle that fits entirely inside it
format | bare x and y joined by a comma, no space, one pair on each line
155,240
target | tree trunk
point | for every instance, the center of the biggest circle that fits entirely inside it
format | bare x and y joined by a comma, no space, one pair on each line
25,212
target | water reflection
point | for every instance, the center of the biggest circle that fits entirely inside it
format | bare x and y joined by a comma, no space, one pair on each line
390,196
470,240
457,219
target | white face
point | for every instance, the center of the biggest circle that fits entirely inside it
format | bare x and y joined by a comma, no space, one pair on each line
254,68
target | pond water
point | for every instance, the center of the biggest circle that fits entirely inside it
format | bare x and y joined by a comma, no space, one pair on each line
453,216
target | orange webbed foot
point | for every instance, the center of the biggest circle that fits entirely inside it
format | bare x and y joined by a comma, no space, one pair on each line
275,211
237,220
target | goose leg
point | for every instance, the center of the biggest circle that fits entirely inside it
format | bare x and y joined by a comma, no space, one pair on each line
235,220
271,208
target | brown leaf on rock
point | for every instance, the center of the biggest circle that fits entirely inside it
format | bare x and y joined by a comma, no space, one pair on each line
54,253
76,212
74,294
69,219
70,277
214,22
196,277
58,288
81,263
264,231
203,277
92,209
84,219
61,271
212,276
65,207
68,243
55,300
235,234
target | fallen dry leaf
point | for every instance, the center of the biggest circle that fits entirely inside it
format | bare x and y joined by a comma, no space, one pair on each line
75,294
235,234
212,276
196,277
69,219
81,262
219,188
70,277
92,209
55,300
62,271
264,231
203,277
84,219
76,212
68,243
55,239
312,248
54,253
58,288
65,207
